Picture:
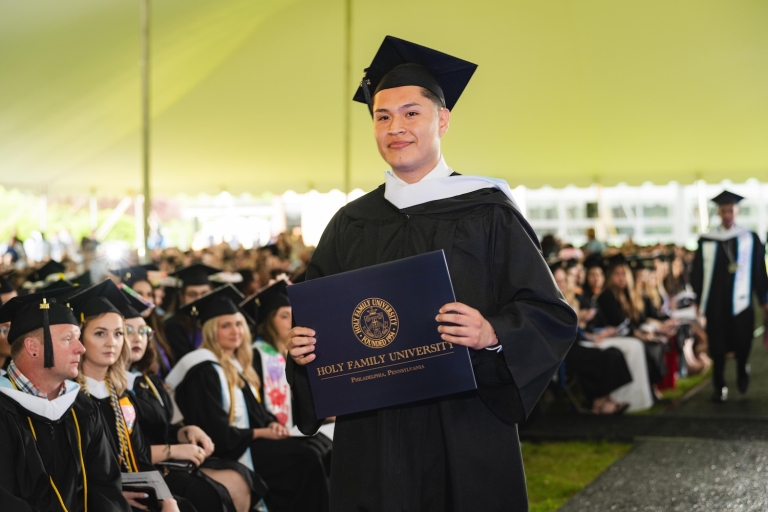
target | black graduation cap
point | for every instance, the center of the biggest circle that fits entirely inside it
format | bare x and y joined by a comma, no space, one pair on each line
104,297
640,262
260,305
61,284
564,264
221,301
84,280
130,275
726,197
50,268
30,312
134,305
593,260
6,286
195,274
399,63
613,261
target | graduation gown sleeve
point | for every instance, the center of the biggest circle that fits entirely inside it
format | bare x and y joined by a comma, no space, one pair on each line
533,322
199,398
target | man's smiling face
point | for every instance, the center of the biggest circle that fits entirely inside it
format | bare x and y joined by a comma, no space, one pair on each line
408,127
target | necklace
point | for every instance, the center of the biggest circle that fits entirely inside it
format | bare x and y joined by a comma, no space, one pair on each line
733,266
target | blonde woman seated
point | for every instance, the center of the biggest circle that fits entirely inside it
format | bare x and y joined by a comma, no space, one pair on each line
102,376
216,388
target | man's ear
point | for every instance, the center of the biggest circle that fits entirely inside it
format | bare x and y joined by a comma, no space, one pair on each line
443,120
33,347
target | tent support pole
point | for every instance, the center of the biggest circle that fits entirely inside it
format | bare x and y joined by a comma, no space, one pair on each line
144,251
347,98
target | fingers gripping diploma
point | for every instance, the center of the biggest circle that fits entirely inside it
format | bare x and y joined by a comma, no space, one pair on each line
301,345
469,327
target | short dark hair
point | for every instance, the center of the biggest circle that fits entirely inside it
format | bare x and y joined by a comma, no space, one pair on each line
432,97
18,343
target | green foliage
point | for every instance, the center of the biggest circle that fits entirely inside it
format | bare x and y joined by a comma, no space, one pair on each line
22,213
557,471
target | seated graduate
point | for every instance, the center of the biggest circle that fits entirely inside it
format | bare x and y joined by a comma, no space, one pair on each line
180,329
5,347
137,278
619,306
102,375
53,451
272,309
220,482
600,370
216,388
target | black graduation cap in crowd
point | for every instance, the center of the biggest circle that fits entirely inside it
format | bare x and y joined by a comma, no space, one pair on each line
84,280
50,268
130,275
104,297
564,264
62,284
134,305
6,286
259,305
399,63
593,260
195,274
221,301
641,262
34,311
726,197
613,261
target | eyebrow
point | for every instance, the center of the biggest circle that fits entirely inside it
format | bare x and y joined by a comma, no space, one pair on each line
406,106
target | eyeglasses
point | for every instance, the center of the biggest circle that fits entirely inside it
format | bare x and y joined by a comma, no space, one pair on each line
141,331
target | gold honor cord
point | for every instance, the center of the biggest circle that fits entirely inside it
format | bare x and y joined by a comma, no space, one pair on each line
126,447
82,461
232,400
154,390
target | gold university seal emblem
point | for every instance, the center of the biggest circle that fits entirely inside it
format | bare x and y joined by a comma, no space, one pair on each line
374,322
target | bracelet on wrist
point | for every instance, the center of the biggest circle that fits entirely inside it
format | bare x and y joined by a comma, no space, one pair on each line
167,450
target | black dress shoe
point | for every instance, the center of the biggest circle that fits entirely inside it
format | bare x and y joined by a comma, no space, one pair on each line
721,396
743,380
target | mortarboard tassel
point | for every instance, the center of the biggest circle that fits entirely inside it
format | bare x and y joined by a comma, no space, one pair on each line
364,83
47,341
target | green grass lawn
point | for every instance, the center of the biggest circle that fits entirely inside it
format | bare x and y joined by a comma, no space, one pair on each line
556,471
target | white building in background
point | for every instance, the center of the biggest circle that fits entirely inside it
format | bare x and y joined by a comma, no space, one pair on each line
648,214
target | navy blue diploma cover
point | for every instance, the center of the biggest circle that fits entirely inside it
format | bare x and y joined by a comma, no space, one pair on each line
377,340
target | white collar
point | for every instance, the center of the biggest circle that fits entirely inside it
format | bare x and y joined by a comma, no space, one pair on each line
96,388
441,170
49,409
186,363
438,184
721,235
131,379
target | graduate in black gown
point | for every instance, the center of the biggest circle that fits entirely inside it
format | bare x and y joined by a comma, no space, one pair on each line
52,441
181,331
458,452
729,266
216,388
